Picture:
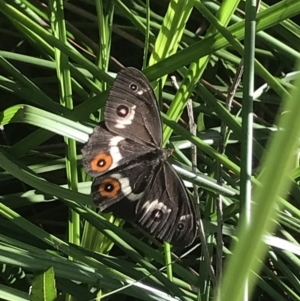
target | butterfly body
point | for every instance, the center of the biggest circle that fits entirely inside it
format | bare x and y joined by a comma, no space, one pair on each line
132,177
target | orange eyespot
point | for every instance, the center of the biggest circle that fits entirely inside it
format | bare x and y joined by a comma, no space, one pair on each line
109,188
101,162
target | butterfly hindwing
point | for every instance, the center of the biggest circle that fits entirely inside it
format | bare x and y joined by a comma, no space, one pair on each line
119,191
166,210
148,194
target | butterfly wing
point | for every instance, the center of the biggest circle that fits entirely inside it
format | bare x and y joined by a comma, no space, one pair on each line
121,169
131,109
152,195
106,151
133,180
119,190
166,210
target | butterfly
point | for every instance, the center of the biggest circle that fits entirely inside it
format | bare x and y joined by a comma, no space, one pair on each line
132,177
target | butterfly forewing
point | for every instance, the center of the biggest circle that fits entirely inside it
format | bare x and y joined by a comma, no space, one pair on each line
106,150
131,109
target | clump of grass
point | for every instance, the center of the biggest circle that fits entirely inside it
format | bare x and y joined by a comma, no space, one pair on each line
239,80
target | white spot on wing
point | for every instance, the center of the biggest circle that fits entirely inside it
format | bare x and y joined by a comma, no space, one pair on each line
122,122
115,140
134,197
126,188
115,151
120,125
124,181
154,205
184,217
149,205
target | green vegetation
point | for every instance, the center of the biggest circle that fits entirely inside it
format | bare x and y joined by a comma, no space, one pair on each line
57,62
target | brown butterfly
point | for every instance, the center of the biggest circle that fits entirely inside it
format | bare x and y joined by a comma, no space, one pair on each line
132,177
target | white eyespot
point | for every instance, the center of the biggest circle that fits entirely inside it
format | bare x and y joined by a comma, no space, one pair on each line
127,119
